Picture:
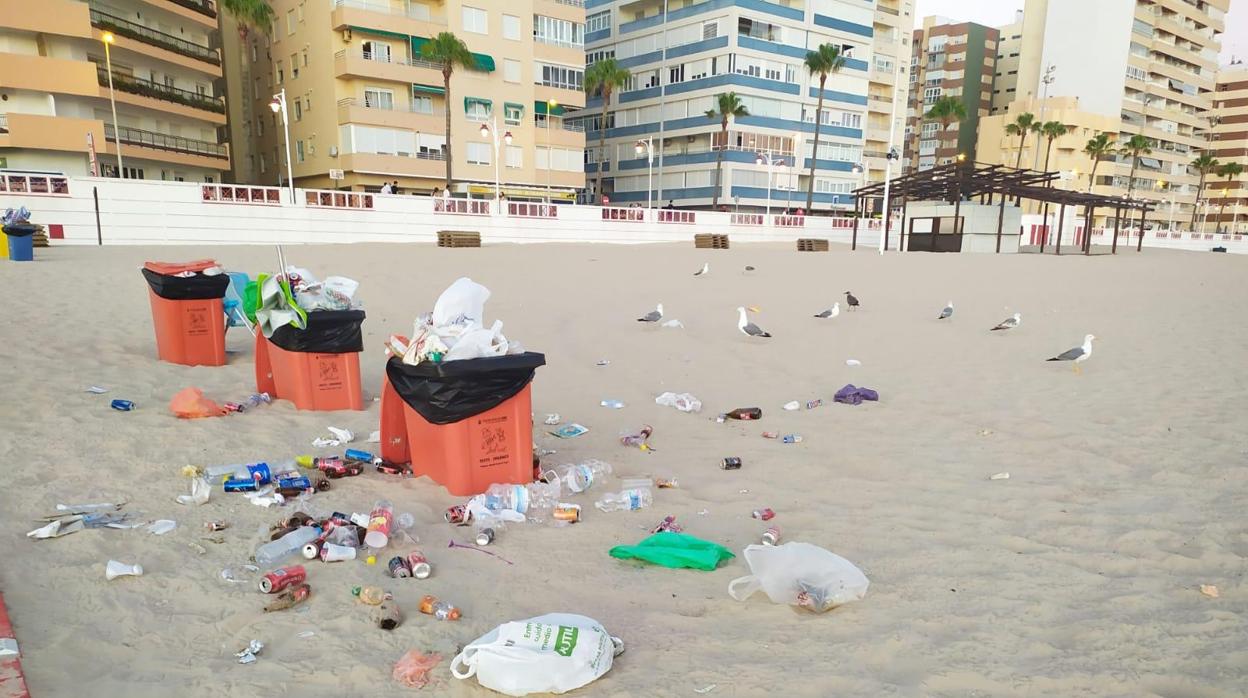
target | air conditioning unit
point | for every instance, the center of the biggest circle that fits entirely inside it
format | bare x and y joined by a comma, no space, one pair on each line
346,35
333,151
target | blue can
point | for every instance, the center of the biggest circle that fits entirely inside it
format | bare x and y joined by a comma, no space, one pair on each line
259,472
241,484
361,456
122,405
297,481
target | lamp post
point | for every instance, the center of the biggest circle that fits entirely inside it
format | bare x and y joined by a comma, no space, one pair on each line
550,154
797,139
278,105
891,154
646,145
490,129
108,40
1046,80
770,161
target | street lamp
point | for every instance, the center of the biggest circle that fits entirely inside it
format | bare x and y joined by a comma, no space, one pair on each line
797,139
488,130
770,161
646,145
108,40
278,105
551,104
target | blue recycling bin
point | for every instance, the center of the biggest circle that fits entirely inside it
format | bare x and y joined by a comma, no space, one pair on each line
21,242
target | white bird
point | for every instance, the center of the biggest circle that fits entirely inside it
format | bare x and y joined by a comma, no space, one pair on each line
947,312
1009,323
749,328
1078,354
654,315
706,269
830,312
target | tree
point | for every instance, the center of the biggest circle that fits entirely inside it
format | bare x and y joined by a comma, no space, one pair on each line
450,51
728,104
1204,164
250,14
823,61
1227,171
603,78
1051,130
1135,146
1021,126
946,110
1098,148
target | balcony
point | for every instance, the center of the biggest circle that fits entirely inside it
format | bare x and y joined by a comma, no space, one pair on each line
155,90
359,111
427,164
203,7
138,32
161,141
360,64
392,17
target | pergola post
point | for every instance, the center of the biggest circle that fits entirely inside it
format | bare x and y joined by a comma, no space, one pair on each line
1139,245
1000,221
1061,226
1088,211
1117,215
901,232
1044,227
853,243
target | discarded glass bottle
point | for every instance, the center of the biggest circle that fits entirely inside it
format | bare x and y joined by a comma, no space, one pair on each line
745,413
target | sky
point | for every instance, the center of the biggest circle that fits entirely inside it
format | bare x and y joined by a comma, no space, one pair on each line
994,13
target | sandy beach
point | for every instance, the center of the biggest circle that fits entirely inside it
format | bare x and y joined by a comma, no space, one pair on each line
1078,576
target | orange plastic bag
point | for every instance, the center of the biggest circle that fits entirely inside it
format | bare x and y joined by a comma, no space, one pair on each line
190,403
413,669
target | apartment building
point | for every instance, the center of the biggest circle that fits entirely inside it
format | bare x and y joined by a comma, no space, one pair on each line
1229,143
55,110
366,109
949,60
683,53
1009,51
1150,65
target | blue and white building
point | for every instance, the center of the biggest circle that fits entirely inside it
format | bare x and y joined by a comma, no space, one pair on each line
682,53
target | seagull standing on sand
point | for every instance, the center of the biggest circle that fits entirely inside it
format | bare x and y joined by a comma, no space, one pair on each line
747,327
947,312
1009,323
830,312
706,269
851,301
654,315
1078,354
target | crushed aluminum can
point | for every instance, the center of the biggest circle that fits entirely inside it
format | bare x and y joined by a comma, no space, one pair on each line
458,515
399,567
247,655
665,483
485,536
730,463
218,525
764,514
122,405
813,404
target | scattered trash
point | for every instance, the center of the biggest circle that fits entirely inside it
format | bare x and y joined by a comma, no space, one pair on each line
387,616
613,404
122,405
851,395
554,653
730,463
626,500
553,418
190,403
603,362
56,529
305,634
430,605
287,545
162,526
706,689
412,669
569,431
744,414
577,476
97,390
675,324
675,550
792,438
986,432
685,402
852,362
639,439
371,595
800,574
116,569
771,435
289,598
200,489
999,476
765,514
666,483
217,525
374,437
668,524
247,655
812,404
771,536
338,437
453,544
1209,590
240,574
793,405
282,577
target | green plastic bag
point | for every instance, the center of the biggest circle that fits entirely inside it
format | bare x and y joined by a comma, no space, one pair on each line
675,550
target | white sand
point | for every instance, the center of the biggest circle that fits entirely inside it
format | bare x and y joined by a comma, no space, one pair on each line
1078,576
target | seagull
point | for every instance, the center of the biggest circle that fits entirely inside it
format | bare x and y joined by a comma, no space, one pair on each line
748,327
654,315
947,312
749,268
830,312
851,301
1078,354
1009,323
706,269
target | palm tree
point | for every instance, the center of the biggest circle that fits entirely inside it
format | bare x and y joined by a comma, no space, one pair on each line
823,61
250,14
1204,164
450,51
728,104
1022,125
602,78
1136,146
1051,130
1227,171
1098,148
946,110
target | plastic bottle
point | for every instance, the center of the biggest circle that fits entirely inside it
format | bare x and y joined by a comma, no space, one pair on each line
438,609
534,500
274,551
626,500
373,596
581,476
379,523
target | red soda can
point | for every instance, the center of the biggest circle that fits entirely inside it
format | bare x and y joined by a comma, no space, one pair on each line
765,514
399,569
771,536
419,565
281,578
458,515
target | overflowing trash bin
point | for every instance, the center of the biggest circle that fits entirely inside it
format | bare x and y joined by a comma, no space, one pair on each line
188,312
18,240
317,367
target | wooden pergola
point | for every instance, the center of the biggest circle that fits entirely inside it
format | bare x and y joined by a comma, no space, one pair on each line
963,181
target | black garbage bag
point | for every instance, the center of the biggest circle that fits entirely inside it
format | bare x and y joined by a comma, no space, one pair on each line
328,332
452,391
20,230
187,288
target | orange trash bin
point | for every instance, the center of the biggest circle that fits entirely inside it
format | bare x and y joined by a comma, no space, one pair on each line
314,380
471,424
188,314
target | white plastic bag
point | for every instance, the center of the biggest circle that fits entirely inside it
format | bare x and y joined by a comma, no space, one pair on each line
479,343
800,574
462,303
683,402
554,653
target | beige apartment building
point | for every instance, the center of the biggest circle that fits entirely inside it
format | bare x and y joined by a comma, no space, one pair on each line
1009,52
365,109
890,60
55,112
1229,143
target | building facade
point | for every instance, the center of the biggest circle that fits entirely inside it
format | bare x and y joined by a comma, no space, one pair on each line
1009,51
949,60
682,54
365,109
55,111
1229,143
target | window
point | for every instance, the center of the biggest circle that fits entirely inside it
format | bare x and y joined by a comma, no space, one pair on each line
307,101
377,98
511,27
298,109
511,70
478,153
1135,73
422,104
298,151
560,159
558,32
476,20
281,73
260,126
376,51
305,54
598,55
515,156
290,22
299,11
929,129
294,65
562,76
598,21
710,30
513,113
476,109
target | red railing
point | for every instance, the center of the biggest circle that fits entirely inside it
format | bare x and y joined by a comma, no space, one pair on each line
674,216
789,221
320,198
522,209
471,207
618,213
239,194
42,185
747,219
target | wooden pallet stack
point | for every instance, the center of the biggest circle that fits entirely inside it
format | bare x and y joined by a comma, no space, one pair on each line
710,241
458,238
812,245
40,238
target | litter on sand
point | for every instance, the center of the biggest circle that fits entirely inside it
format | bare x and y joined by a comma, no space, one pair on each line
685,402
569,431
338,437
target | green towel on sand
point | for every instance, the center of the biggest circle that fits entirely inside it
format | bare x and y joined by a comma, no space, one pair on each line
675,550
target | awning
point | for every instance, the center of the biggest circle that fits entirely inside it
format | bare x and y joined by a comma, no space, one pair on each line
484,63
540,108
379,32
469,101
513,192
1150,163
513,105
428,89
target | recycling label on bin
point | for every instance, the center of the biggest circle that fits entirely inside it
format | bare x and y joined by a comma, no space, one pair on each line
328,372
489,442
197,318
